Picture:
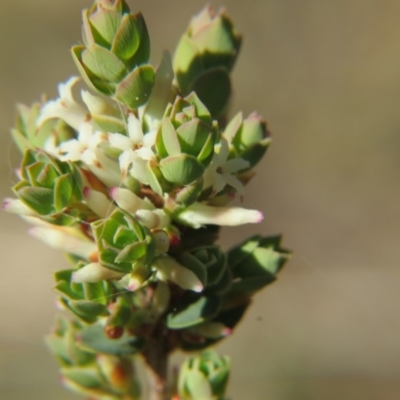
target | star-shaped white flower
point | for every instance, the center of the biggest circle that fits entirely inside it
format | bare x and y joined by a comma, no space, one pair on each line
221,171
136,150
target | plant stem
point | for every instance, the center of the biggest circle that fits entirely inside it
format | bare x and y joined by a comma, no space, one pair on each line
156,357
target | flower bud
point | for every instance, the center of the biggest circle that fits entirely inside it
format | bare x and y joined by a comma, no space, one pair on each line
204,377
248,139
185,141
122,242
116,50
204,57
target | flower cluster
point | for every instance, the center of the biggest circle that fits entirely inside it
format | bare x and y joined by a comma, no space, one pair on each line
132,181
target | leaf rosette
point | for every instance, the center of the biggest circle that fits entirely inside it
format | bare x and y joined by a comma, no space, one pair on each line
210,266
124,244
51,188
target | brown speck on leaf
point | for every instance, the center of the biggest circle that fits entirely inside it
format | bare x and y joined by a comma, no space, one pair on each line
114,332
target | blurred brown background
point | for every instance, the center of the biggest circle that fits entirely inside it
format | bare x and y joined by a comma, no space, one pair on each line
326,74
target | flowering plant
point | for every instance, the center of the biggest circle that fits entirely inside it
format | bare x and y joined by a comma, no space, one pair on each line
133,181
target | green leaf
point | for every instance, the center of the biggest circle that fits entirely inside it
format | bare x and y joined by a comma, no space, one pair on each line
132,252
219,380
126,41
87,75
192,136
189,194
103,63
187,64
87,377
201,310
89,308
39,199
167,140
214,89
65,290
197,385
181,169
250,285
135,89
95,292
161,93
93,338
63,190
106,23
239,253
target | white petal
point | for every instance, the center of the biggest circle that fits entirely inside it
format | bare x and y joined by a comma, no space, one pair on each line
94,272
65,107
223,150
119,141
66,239
16,206
219,182
128,200
149,138
98,202
134,129
139,171
65,89
235,165
148,218
198,214
235,183
144,153
168,269
125,161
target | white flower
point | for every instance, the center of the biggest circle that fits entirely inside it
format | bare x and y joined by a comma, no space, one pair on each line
98,202
65,107
169,270
221,171
143,210
66,239
137,153
199,214
94,272
16,206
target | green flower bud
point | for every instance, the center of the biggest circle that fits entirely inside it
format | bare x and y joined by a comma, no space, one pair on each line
116,50
124,244
204,57
185,141
248,139
204,377
51,188
208,263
